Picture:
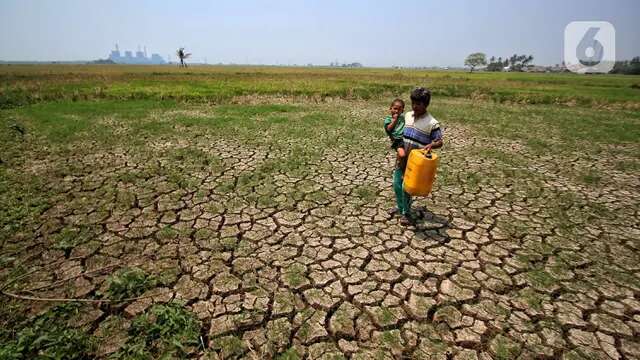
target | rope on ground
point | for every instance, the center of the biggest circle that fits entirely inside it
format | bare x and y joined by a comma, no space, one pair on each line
45,267
34,298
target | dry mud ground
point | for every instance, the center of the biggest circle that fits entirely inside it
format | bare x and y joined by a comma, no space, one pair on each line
276,238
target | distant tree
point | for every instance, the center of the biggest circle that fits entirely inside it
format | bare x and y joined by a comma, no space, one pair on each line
182,56
493,59
529,59
474,60
513,60
628,67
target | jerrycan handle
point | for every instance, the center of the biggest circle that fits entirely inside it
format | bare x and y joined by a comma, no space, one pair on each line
428,154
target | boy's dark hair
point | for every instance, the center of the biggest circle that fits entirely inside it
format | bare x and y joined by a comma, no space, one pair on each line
398,100
421,95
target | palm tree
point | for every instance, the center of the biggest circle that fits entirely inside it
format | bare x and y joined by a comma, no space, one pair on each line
182,55
529,59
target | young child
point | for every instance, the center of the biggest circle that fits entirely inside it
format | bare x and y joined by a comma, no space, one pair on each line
421,131
394,127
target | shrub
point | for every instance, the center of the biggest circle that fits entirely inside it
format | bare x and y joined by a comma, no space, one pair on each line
49,336
129,283
165,331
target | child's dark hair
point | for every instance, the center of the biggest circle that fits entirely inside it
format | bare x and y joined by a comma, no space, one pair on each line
398,100
421,95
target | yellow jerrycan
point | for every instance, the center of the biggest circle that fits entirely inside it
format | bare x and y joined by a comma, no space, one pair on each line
420,172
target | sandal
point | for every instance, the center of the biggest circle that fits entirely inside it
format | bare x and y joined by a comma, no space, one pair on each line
407,220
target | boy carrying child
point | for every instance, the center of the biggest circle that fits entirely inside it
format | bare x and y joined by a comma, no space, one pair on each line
419,130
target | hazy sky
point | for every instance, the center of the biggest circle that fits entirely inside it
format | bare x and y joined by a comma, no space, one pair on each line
375,33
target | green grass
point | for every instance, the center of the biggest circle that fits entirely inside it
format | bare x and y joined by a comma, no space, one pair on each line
49,336
229,347
505,348
221,84
70,237
290,354
164,331
295,275
541,278
128,283
366,193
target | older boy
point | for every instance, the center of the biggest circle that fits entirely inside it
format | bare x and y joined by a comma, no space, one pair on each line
421,131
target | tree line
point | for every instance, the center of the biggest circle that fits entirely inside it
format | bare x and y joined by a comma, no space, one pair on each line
521,62
514,63
627,67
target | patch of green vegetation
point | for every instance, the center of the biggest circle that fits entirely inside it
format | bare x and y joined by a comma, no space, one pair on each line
165,331
49,336
194,157
129,283
627,165
304,330
225,186
229,243
391,338
130,176
515,228
295,275
366,193
266,201
320,197
472,179
591,177
505,348
12,314
502,156
253,110
229,347
167,233
386,316
22,199
70,237
290,354
125,199
532,298
538,146
64,122
35,84
539,277
181,179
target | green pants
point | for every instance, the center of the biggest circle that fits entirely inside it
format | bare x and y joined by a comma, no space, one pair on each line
403,200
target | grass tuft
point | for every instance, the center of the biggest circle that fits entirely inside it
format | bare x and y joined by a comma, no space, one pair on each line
129,283
49,336
164,331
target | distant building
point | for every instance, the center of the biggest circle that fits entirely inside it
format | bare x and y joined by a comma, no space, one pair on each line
535,68
140,58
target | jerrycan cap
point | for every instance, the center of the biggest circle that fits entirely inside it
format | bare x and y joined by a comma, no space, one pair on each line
428,155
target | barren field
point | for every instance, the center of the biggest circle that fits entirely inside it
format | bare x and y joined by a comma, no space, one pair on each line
227,212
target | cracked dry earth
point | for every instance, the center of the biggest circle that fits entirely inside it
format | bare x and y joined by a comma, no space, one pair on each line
529,266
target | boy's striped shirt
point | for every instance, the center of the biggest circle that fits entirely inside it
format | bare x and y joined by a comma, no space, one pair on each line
418,132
